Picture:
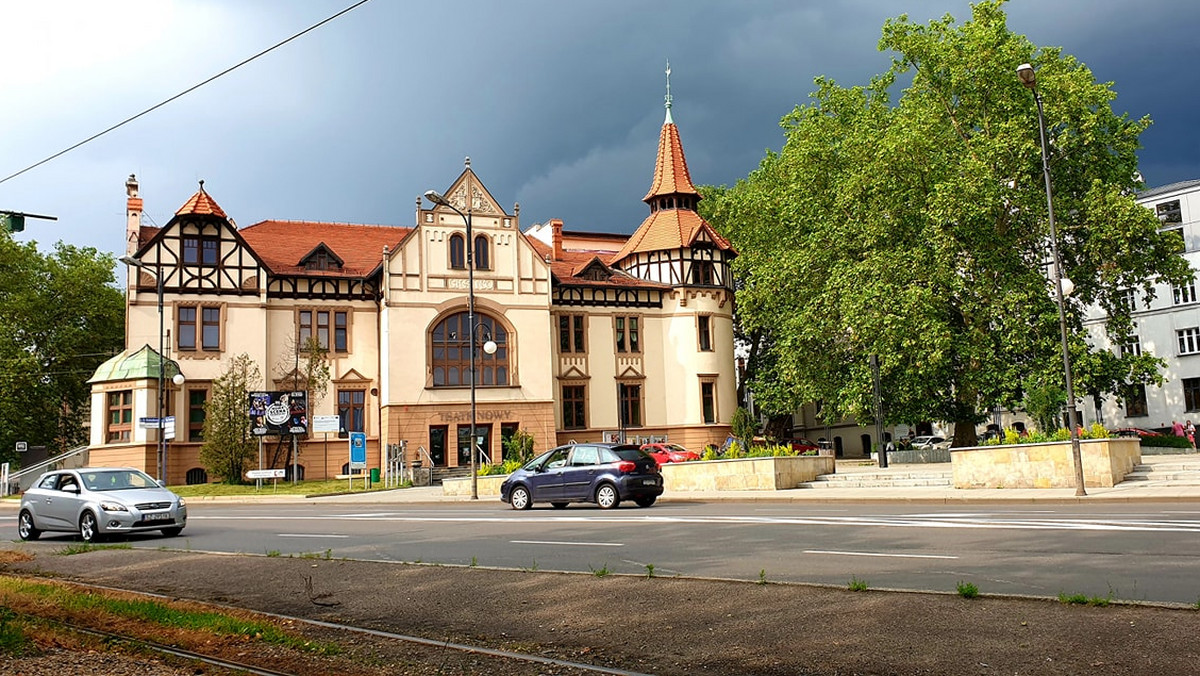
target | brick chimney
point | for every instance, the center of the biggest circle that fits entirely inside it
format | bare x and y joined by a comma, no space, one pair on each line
133,215
556,226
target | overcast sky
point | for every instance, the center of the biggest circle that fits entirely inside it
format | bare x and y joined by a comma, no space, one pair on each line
558,104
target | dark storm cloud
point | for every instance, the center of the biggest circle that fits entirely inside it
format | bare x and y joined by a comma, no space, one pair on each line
559,104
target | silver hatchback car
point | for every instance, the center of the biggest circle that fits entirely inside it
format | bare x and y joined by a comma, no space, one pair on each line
99,501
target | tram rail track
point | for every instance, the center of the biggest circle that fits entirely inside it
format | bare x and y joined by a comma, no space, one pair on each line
350,632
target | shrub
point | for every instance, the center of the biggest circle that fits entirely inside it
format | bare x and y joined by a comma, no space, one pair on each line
506,467
710,453
742,425
1166,441
519,447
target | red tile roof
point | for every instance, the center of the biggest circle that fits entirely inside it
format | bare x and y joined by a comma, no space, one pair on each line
668,229
201,204
670,168
577,261
282,244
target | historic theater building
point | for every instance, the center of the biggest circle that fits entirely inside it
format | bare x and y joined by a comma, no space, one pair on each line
597,336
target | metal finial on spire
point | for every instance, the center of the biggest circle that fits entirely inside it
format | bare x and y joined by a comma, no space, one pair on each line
467,162
667,98
201,184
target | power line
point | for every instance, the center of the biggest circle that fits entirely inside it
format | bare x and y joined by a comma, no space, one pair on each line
189,90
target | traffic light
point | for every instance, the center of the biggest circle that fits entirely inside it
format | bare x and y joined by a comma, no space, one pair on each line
14,221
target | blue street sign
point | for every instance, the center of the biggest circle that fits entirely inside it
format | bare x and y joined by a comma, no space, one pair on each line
358,450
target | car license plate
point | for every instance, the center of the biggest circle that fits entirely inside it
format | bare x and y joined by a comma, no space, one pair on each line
159,516
650,482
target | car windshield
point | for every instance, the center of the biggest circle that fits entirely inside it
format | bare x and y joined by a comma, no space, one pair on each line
677,447
116,480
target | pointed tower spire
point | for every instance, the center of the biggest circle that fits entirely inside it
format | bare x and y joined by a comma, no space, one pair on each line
667,98
201,204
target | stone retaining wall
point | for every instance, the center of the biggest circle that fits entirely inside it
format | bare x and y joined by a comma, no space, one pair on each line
1047,465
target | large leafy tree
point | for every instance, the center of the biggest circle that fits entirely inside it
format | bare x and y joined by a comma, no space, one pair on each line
228,448
917,231
60,318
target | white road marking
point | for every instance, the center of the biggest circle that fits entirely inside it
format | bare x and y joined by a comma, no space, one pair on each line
578,544
309,535
881,554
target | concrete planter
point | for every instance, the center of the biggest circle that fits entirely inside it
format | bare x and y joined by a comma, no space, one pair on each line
488,486
745,474
1048,465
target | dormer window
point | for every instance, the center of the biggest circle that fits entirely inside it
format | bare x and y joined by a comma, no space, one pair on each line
321,261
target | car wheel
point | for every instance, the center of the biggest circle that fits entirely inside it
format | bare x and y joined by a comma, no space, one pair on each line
646,501
25,527
520,498
172,532
606,496
559,505
89,530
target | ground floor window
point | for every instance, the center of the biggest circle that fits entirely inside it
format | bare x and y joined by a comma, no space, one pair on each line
708,400
1191,394
483,440
352,410
196,475
1135,401
196,399
120,416
573,407
631,404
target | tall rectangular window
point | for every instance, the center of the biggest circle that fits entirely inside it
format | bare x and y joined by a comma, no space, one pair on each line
570,333
210,337
1184,294
200,250
703,327
573,407
1189,340
304,327
340,325
185,329
708,401
1135,401
196,399
1191,394
352,410
631,405
1133,347
120,416
627,334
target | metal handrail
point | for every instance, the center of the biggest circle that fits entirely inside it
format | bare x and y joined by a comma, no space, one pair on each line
421,451
16,477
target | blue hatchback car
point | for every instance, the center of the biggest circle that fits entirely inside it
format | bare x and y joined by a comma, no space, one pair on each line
605,474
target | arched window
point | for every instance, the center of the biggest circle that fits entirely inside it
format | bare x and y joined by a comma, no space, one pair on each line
451,347
482,261
458,252
196,475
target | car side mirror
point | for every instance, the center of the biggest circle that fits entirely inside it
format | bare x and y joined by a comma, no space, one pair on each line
162,483
71,489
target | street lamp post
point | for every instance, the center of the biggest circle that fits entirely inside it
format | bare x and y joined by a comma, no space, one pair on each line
162,367
1062,285
490,348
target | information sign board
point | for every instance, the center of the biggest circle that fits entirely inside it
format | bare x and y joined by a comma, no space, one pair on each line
358,450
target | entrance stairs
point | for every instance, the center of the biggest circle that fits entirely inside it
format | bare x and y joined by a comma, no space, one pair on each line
1177,470
442,473
937,475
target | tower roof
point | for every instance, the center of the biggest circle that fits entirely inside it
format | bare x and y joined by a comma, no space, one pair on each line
671,175
201,204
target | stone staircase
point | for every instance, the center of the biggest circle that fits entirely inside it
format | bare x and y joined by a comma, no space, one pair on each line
442,473
1183,471
898,477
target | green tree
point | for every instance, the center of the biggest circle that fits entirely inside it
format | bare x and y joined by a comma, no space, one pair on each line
917,231
228,448
519,447
743,426
60,318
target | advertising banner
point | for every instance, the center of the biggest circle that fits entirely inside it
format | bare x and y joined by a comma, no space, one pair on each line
278,413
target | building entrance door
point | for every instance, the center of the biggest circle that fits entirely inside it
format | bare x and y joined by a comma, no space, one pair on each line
437,445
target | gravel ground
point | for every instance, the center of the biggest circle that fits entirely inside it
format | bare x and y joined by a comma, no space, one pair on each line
662,625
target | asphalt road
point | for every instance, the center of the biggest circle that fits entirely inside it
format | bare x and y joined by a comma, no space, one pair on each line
1146,552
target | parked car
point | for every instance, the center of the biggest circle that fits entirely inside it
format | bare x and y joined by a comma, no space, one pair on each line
99,501
605,474
664,453
1135,432
801,445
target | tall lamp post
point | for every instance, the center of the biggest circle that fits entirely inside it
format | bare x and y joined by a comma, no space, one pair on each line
162,366
490,347
1062,285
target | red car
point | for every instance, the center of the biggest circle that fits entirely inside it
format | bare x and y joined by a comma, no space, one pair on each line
1135,432
801,445
664,453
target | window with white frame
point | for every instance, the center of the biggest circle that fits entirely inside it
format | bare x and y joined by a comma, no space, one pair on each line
1186,293
1189,340
1127,299
1171,217
1133,347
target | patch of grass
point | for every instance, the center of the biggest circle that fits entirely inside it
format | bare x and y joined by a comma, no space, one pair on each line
533,568
14,641
273,554
474,562
1085,600
315,487
1196,605
762,576
602,571
967,590
85,547
649,570
91,604
856,584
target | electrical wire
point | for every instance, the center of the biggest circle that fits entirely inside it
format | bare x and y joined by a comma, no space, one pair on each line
185,92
